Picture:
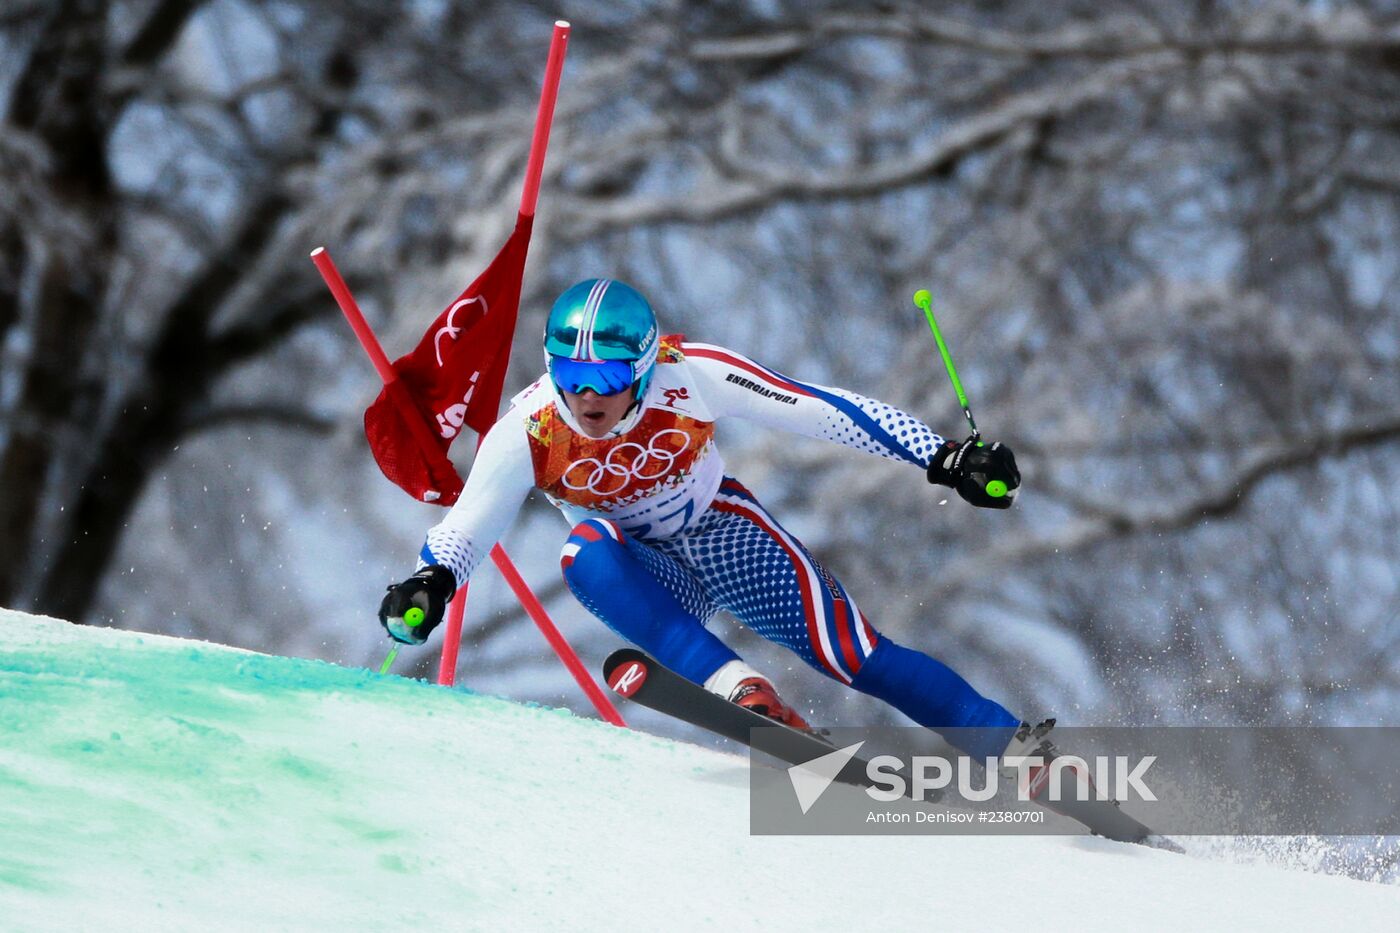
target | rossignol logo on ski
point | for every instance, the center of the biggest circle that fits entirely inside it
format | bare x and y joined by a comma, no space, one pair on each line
629,678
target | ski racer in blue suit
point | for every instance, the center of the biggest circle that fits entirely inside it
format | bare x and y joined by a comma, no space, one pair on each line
619,434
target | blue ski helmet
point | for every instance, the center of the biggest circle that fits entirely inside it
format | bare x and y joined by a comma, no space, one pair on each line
601,334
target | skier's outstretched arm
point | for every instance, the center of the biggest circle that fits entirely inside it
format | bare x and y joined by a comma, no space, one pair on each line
500,479
735,386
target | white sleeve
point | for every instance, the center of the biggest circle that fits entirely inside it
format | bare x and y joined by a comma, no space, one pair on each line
734,385
501,477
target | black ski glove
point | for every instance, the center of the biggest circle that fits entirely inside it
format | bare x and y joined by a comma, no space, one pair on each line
429,591
983,474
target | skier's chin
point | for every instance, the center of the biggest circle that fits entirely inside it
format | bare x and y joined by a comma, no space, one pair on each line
598,414
596,424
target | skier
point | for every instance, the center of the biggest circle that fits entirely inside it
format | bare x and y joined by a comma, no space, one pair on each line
619,434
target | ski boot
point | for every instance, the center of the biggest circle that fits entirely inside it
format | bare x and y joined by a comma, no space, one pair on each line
746,687
1031,741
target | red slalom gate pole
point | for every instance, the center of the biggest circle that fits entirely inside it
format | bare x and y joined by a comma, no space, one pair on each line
348,307
452,637
556,640
544,117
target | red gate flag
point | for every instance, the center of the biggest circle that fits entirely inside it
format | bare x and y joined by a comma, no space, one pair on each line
453,378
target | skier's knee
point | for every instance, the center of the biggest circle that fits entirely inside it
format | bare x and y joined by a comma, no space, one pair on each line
586,535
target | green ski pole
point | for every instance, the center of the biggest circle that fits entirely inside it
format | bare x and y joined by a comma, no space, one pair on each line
996,488
413,617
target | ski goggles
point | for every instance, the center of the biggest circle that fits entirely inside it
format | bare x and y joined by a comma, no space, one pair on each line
606,377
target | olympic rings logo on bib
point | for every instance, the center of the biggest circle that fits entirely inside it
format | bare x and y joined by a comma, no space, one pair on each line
624,463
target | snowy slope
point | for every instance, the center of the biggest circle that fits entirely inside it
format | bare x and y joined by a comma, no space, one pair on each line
149,783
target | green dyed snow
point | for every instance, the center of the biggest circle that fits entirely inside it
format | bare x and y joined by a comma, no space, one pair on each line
252,744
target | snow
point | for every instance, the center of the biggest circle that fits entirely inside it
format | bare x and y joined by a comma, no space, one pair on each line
152,783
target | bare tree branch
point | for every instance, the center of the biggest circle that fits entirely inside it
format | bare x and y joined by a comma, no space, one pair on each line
160,30
1111,37
1226,498
765,185
270,413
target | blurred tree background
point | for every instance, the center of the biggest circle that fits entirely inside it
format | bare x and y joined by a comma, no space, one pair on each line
1162,241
